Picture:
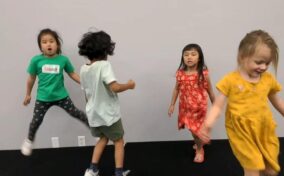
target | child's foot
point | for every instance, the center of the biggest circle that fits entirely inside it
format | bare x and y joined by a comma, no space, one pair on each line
90,172
27,147
124,173
199,156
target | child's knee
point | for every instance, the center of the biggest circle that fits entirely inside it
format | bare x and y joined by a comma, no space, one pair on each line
249,172
119,141
104,138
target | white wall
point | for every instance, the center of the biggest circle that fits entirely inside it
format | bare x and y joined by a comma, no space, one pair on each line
149,37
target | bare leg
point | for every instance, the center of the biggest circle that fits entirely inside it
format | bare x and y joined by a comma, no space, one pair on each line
268,171
251,172
199,151
119,153
198,142
98,149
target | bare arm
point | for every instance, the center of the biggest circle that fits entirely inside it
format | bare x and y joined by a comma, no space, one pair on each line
210,90
30,83
215,110
174,99
117,87
214,113
277,102
75,77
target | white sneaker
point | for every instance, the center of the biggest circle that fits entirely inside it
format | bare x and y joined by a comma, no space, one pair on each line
125,173
27,147
90,172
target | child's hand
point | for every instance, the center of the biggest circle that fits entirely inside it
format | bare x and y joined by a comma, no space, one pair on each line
204,134
131,84
27,100
171,110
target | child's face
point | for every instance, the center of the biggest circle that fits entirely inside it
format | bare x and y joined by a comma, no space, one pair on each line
48,45
258,62
191,58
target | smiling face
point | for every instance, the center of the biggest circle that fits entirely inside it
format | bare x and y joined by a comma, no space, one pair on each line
191,58
258,63
48,45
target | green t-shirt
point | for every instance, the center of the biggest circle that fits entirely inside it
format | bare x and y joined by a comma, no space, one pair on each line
50,76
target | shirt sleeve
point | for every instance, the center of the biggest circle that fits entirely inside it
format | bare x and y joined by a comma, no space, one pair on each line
275,85
205,82
205,72
178,77
224,85
32,68
82,77
69,68
107,73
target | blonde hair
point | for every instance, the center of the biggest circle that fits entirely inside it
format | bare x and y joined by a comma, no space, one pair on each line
249,43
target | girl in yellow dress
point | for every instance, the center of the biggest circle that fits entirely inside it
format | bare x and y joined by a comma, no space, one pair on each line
249,123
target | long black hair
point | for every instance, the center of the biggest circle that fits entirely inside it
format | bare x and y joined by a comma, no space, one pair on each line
201,63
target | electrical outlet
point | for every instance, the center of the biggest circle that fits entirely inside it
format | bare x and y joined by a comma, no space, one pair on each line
55,142
81,141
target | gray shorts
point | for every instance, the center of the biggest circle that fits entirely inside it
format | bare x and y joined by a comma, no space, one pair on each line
113,132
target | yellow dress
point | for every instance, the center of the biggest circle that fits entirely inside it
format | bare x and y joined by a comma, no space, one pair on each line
249,122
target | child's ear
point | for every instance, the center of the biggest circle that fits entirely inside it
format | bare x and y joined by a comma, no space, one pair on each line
241,59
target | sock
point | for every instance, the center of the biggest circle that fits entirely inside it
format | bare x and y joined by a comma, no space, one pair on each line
118,171
94,167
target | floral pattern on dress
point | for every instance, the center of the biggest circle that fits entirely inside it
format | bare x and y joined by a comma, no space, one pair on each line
192,100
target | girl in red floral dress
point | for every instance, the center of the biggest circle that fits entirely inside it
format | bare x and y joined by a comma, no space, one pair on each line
193,87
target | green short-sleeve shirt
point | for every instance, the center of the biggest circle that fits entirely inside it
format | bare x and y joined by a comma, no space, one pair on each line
50,76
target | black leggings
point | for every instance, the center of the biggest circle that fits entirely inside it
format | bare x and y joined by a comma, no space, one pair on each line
42,107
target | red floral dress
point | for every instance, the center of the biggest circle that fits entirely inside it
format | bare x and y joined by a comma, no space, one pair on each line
192,100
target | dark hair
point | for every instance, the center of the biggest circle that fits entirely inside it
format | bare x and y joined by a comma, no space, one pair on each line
201,63
53,34
96,45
